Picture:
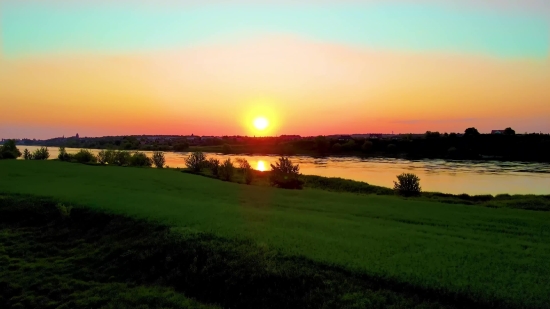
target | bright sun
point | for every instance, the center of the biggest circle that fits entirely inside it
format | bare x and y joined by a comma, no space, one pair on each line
261,123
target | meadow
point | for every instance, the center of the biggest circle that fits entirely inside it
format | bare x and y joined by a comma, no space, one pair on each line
338,248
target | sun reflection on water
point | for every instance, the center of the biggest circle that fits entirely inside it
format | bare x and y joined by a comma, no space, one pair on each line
261,166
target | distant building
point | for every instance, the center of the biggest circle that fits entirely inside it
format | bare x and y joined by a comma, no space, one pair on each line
77,136
497,132
206,138
290,137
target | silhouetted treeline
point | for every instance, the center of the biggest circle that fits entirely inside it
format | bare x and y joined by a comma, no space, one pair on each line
506,145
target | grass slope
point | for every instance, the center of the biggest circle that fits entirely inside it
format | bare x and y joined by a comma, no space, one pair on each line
495,256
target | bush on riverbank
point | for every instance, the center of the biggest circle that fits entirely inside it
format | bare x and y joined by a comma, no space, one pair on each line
41,153
9,150
407,184
285,175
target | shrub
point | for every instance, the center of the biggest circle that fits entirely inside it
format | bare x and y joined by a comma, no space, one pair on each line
64,211
158,159
140,159
407,184
195,161
41,154
285,175
9,150
27,154
102,157
63,155
122,158
84,156
391,148
226,170
214,166
246,169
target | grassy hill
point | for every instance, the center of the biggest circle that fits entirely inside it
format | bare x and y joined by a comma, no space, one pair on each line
446,253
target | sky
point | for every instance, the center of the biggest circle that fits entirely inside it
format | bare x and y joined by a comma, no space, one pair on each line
310,67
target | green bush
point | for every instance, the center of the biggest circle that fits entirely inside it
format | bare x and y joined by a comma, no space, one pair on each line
84,156
214,166
102,157
226,170
140,159
407,184
246,169
9,150
158,159
122,158
27,154
196,161
63,155
41,154
285,175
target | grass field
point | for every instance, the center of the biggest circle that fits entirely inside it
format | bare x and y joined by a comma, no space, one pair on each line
492,257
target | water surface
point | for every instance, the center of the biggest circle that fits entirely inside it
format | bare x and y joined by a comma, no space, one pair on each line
472,177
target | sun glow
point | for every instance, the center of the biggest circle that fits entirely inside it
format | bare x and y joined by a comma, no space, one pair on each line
261,166
261,123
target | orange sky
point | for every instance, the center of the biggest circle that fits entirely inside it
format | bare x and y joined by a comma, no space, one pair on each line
302,86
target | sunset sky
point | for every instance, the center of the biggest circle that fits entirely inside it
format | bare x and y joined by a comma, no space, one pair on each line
310,67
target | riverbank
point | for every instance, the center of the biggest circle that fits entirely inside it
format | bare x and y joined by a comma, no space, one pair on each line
528,202
415,253
456,177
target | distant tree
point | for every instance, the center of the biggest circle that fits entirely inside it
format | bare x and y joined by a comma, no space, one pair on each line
158,159
367,146
9,150
337,147
285,175
430,134
196,161
349,145
451,152
140,159
509,131
27,154
471,132
226,149
214,166
183,146
407,184
322,144
63,155
391,148
41,154
287,149
226,170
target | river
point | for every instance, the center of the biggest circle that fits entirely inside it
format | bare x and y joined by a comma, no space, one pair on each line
472,177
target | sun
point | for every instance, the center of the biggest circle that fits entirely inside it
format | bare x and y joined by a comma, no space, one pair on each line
261,123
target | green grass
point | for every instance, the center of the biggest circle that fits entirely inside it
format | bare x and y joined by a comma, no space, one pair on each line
495,257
